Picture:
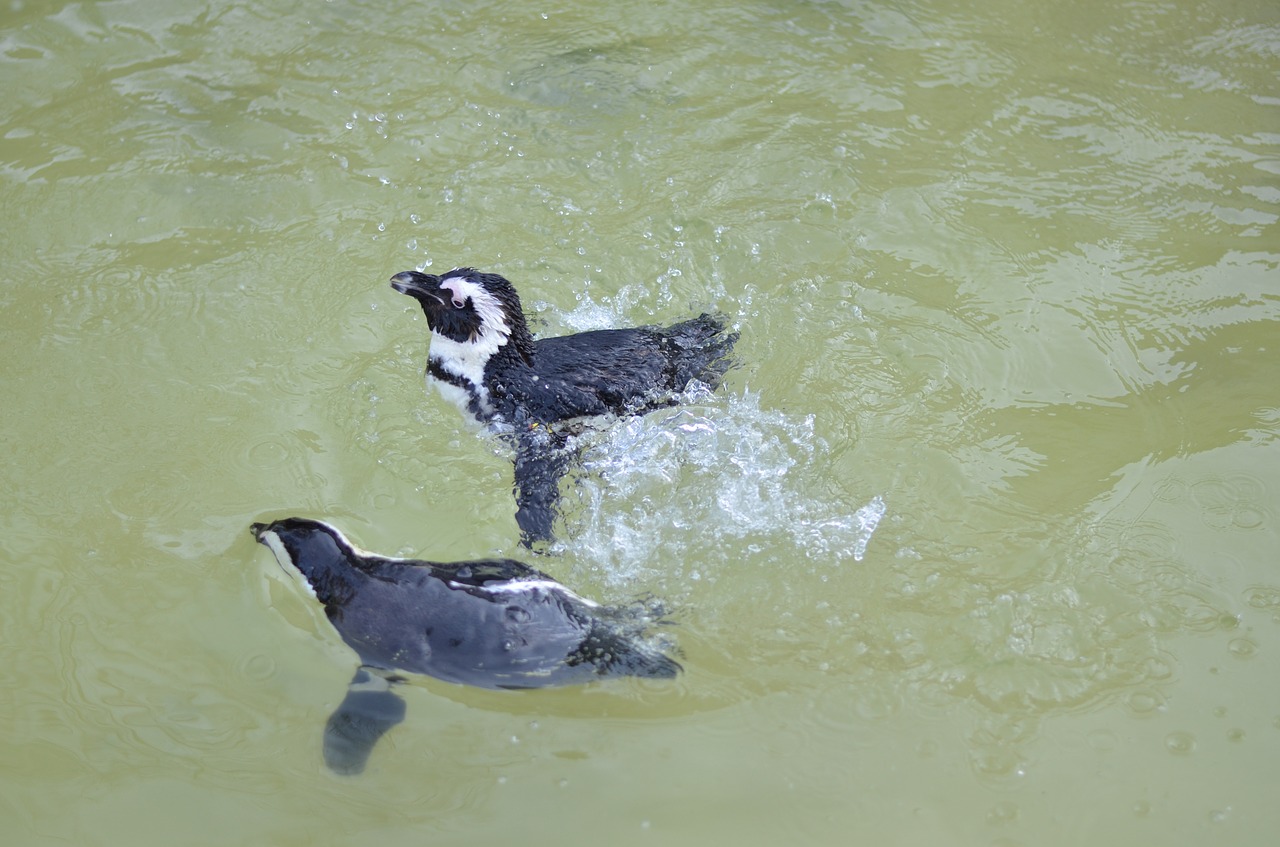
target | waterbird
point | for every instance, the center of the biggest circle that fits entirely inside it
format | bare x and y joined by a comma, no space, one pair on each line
483,357
491,623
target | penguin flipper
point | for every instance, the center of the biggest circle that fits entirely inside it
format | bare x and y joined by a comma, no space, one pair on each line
541,460
364,715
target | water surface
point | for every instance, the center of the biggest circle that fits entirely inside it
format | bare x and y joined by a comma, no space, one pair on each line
977,545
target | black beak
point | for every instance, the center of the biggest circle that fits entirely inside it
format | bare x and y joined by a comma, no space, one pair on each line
255,529
417,284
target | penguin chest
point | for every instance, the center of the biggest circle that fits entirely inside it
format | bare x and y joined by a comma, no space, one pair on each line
470,399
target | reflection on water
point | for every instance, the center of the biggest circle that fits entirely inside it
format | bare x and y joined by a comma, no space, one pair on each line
973,547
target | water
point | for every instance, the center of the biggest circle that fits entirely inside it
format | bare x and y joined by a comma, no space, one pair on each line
975,546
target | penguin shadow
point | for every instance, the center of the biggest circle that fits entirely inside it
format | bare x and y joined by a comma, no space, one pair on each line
489,624
368,710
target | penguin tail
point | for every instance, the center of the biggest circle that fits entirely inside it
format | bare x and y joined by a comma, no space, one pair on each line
701,349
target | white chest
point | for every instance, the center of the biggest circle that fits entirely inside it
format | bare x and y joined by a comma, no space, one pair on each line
464,361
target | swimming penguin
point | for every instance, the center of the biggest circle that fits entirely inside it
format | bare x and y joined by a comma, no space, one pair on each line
483,357
491,623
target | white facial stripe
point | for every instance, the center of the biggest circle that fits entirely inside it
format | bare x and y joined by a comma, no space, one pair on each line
493,321
276,546
466,359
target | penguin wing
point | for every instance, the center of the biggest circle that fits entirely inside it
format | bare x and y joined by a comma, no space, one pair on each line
541,460
595,373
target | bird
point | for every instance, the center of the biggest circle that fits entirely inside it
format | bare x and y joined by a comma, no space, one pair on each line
489,623
540,392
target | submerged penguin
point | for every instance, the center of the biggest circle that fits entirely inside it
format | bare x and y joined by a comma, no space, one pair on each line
483,357
492,623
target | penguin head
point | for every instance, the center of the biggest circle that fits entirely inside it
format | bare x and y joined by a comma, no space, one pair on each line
313,550
477,310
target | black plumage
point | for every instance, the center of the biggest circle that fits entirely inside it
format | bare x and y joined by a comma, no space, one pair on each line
483,356
492,623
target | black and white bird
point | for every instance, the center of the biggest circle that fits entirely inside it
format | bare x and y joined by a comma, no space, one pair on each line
483,357
491,623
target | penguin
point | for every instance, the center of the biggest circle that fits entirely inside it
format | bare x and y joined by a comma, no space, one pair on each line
483,357
490,623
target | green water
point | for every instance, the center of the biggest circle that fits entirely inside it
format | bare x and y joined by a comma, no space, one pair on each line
1009,271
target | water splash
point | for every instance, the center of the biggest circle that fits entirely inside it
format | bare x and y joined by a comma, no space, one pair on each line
691,485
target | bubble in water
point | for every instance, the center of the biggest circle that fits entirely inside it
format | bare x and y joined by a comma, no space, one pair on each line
1248,517
1263,597
1145,702
1243,648
1180,743
258,667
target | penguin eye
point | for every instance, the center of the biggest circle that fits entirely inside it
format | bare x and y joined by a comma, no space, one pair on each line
458,304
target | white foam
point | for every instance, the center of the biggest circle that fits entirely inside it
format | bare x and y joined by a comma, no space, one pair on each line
681,484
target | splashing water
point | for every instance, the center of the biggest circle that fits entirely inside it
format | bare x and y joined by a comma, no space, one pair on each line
718,474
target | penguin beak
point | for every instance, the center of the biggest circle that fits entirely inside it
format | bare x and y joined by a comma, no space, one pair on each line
416,285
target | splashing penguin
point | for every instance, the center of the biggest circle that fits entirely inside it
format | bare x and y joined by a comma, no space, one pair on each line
483,357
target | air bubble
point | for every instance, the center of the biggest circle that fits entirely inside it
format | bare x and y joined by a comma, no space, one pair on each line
1180,743
1145,702
1243,648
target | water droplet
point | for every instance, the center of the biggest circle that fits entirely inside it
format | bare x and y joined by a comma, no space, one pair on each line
1242,648
1171,490
1247,518
259,668
1263,597
1157,668
1180,743
1145,702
